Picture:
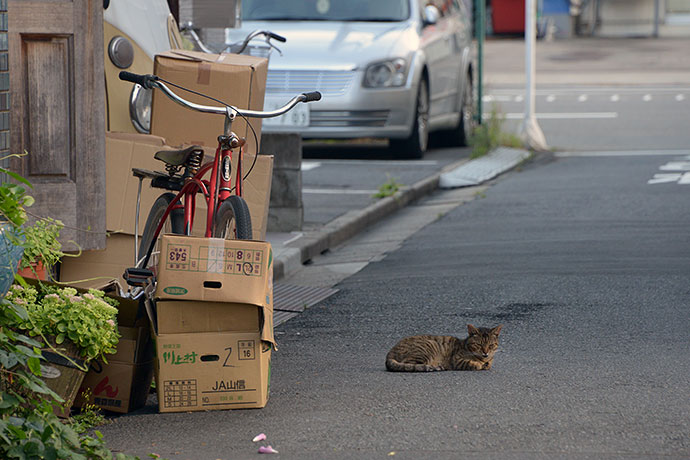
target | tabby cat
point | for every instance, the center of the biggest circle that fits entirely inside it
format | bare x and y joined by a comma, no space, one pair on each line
424,353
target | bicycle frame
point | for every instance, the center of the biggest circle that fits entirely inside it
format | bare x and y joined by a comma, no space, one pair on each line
218,188
215,190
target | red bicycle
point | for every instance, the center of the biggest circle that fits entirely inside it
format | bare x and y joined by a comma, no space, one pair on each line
227,214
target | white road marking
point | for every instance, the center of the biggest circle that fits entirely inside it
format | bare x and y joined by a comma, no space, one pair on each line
615,98
664,178
647,97
518,98
595,89
676,166
379,162
550,98
308,165
582,98
622,153
563,115
680,97
685,180
337,191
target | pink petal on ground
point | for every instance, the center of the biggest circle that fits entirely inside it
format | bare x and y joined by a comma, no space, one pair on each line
267,450
259,437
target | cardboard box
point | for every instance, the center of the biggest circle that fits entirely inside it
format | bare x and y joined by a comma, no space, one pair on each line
91,268
212,371
122,384
213,323
238,80
117,386
179,317
216,270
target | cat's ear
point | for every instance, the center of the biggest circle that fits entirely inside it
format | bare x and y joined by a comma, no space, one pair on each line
497,330
472,330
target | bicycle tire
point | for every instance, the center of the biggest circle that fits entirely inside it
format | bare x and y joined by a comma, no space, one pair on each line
233,214
174,224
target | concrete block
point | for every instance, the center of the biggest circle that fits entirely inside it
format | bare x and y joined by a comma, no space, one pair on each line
285,147
286,188
284,219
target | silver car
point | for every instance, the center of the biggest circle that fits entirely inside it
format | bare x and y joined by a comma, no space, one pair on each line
395,69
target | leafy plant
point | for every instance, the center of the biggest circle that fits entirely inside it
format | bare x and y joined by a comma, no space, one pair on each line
388,188
490,135
89,417
29,429
41,243
87,320
14,200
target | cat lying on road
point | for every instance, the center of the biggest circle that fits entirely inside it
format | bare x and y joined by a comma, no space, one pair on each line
424,353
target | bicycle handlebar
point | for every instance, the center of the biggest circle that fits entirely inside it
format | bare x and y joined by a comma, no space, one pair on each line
277,37
146,81
152,81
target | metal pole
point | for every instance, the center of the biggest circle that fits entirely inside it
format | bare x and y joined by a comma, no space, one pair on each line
531,133
656,19
479,21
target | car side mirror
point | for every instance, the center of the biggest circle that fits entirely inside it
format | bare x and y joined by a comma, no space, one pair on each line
431,15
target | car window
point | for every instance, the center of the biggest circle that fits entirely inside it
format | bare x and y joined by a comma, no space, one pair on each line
325,10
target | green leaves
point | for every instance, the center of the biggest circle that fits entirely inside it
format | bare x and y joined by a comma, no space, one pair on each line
63,314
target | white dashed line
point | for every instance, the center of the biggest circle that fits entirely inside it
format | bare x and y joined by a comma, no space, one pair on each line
563,115
647,97
582,98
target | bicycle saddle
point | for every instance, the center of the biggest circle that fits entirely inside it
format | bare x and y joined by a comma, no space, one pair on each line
177,157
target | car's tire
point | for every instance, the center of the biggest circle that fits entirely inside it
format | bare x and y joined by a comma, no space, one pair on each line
417,143
233,220
462,133
173,224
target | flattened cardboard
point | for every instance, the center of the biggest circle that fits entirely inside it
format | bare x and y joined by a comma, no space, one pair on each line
180,316
218,270
126,151
212,371
238,80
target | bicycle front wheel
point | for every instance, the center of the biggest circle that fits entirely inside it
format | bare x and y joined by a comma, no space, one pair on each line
173,224
233,220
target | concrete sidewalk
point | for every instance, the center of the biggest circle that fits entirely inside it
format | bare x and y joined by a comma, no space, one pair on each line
291,250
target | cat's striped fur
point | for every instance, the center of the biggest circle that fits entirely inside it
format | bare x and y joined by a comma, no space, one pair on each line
424,353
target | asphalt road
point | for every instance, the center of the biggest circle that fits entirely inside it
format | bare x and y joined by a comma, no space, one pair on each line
651,116
584,258
585,263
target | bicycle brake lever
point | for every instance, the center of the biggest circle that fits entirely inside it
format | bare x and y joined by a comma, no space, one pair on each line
268,40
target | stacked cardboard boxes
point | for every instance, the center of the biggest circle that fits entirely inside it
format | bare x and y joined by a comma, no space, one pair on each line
212,316
235,79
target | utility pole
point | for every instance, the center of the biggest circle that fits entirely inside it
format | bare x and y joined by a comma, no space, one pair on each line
479,21
530,132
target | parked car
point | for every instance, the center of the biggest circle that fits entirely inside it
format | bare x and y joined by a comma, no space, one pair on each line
396,69
134,32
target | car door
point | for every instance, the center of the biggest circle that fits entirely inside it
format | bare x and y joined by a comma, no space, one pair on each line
440,44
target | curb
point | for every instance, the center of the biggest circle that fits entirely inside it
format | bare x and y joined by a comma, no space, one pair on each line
352,222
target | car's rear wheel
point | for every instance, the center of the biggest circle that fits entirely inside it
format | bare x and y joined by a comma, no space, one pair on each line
462,133
418,141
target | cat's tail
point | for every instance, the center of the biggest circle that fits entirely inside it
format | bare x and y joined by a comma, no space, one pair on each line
393,365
